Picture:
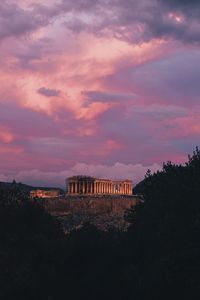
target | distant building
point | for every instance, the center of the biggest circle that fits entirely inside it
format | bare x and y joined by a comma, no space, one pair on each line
44,194
90,185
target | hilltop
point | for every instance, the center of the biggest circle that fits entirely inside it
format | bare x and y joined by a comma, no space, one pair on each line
24,188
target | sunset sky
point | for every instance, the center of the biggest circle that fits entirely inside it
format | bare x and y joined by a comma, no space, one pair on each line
106,88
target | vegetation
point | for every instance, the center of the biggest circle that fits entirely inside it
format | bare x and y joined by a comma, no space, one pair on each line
157,258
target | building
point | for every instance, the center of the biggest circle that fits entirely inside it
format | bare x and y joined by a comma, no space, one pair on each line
95,186
44,194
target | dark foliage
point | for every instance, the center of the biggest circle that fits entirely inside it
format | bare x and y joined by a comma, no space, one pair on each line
158,258
166,227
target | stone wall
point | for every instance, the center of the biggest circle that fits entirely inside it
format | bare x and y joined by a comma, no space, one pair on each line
90,205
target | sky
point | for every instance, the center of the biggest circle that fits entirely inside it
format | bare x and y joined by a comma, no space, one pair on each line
107,88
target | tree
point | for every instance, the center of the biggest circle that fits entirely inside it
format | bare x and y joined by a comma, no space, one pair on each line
167,229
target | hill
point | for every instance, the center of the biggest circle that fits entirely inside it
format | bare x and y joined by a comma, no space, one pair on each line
24,188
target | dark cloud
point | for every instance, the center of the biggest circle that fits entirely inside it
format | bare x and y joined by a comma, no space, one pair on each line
131,20
136,20
174,79
48,92
110,97
182,3
16,21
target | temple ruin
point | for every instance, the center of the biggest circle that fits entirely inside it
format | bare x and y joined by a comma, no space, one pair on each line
44,193
95,186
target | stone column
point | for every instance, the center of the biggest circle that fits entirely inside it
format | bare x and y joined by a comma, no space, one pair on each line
72,188
68,187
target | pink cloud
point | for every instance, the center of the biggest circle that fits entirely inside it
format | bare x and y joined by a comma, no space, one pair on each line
96,85
116,171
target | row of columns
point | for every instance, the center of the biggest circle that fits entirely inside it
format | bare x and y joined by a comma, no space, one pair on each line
99,187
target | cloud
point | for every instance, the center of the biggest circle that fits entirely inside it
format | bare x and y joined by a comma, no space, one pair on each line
48,92
182,3
160,112
135,21
16,21
132,21
110,97
172,78
57,179
97,82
